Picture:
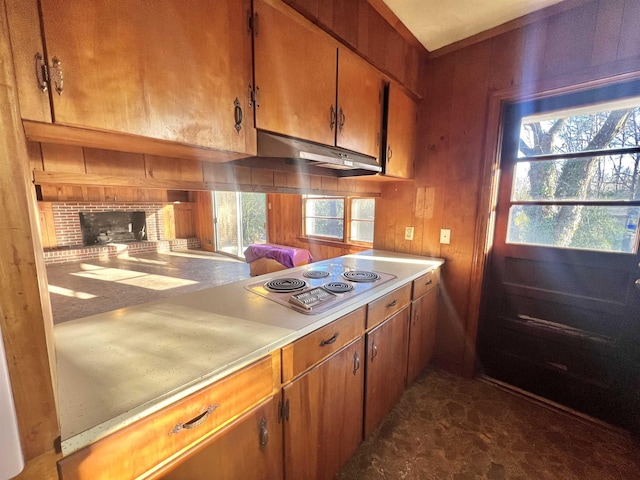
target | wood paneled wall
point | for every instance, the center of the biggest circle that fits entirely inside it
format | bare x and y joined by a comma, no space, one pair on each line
284,227
593,42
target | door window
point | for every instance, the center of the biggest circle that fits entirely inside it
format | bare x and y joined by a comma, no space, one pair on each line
576,178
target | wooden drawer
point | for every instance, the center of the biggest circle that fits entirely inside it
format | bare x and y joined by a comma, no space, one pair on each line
425,283
311,349
387,305
137,448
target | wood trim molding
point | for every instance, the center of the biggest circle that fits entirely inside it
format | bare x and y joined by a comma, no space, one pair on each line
84,137
507,27
59,178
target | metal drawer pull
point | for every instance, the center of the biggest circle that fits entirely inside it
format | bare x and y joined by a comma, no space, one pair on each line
41,72
356,363
392,304
264,433
638,283
374,351
429,282
330,341
195,422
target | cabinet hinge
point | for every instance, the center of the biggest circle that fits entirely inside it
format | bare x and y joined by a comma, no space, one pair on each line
283,411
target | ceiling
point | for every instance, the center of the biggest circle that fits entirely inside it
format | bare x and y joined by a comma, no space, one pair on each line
437,23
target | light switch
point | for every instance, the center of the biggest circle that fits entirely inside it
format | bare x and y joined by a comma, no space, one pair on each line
445,236
408,233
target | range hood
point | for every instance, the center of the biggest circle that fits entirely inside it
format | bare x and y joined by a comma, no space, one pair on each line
344,162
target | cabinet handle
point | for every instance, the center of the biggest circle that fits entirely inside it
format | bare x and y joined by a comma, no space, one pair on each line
56,75
41,73
374,351
392,304
343,118
332,114
195,422
389,153
250,96
329,341
264,433
429,282
356,363
638,283
237,115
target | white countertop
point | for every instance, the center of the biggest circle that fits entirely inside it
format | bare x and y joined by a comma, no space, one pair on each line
117,367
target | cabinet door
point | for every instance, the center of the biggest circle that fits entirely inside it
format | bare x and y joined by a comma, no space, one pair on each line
401,134
324,425
157,69
359,105
386,368
295,72
422,333
250,449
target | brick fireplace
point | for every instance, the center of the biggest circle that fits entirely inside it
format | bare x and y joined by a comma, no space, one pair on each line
69,232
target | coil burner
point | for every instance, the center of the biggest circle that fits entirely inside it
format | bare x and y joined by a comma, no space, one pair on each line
315,274
338,287
285,285
361,276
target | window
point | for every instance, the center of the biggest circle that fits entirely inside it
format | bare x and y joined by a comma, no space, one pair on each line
576,178
342,219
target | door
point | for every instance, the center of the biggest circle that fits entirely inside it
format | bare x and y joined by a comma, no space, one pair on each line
422,333
402,121
295,71
359,105
387,349
240,220
561,316
324,421
155,69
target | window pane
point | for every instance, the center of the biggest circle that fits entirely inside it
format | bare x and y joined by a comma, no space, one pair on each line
325,227
610,229
362,231
597,127
363,208
325,207
254,218
605,177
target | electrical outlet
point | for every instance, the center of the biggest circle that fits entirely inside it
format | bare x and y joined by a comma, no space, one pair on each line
445,236
408,233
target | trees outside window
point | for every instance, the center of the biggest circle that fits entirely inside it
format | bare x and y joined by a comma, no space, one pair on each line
576,178
343,219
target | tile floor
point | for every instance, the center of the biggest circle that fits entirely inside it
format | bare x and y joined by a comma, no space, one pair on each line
451,428
85,288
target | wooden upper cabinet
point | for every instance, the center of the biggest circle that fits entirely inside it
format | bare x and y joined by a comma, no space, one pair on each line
295,71
310,87
359,105
162,71
402,113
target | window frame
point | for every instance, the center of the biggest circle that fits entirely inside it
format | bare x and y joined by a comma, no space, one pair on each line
519,111
346,219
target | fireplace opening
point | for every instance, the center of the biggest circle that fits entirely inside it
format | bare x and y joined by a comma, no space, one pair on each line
100,228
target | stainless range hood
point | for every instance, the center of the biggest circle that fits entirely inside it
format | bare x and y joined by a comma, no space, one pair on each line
345,162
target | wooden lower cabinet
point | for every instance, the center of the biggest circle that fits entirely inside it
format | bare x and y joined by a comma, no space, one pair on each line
249,449
323,416
422,333
386,368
